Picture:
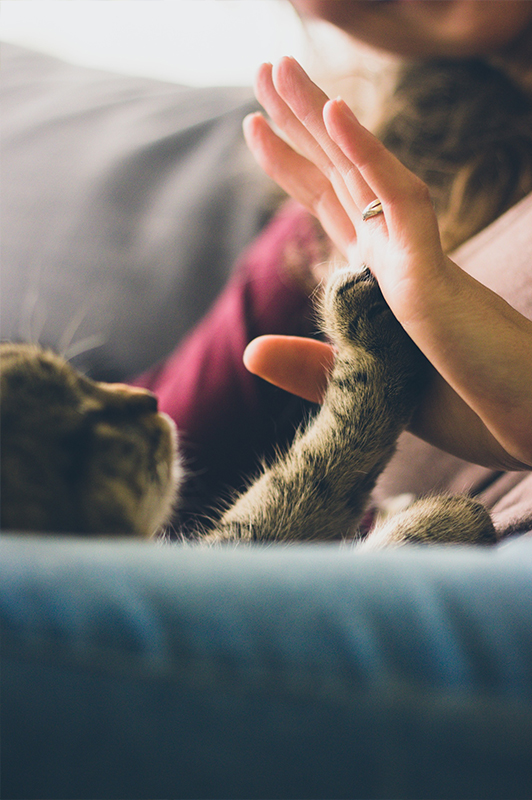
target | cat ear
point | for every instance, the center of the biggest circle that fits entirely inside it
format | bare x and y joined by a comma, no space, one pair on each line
137,399
117,397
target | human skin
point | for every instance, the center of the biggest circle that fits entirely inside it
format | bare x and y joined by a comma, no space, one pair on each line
479,403
430,28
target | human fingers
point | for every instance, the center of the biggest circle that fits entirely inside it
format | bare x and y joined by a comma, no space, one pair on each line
307,102
297,129
298,365
407,206
300,178
284,118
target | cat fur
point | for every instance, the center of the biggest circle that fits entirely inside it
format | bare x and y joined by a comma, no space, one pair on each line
84,457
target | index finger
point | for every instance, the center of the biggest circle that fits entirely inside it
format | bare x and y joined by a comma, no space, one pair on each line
405,197
308,102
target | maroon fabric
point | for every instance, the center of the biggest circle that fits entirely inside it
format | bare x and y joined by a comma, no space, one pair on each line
227,418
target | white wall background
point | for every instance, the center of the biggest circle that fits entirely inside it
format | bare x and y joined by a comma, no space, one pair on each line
196,42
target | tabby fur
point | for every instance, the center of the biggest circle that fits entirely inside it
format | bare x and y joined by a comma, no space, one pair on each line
80,456
85,457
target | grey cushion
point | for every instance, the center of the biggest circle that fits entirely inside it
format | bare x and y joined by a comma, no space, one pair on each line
125,203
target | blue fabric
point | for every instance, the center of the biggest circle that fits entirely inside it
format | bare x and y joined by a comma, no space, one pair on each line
132,670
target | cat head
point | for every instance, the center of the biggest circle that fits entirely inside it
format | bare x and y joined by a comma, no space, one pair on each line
78,456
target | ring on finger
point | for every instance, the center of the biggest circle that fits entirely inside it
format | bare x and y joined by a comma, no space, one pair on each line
372,209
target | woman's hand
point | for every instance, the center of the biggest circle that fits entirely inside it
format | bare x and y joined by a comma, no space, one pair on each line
479,345
339,169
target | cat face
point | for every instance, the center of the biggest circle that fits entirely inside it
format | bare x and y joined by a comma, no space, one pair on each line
80,456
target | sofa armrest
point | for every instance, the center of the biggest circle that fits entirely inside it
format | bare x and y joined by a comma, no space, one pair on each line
138,671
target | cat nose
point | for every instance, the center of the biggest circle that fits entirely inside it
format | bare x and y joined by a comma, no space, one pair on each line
141,401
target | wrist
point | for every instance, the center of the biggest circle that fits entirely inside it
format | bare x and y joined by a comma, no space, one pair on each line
423,296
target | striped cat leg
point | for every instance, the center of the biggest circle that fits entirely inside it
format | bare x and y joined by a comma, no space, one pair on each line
319,489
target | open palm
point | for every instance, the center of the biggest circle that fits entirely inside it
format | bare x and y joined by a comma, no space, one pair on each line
479,405
335,168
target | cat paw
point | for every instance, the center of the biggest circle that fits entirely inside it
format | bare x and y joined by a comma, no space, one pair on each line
435,520
353,309
355,313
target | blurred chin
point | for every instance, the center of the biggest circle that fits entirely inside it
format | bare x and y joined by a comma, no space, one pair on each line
426,28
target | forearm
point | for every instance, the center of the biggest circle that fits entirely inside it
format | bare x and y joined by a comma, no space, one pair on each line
444,420
480,405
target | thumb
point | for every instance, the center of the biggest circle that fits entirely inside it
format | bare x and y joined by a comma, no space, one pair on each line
297,365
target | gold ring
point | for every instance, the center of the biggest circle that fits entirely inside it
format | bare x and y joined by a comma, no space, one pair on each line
372,209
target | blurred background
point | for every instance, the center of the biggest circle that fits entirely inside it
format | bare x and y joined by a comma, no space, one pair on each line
194,42
79,187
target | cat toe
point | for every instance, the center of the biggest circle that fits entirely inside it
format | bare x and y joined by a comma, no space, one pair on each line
354,310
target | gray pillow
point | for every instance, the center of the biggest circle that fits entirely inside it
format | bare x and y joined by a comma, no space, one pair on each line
125,203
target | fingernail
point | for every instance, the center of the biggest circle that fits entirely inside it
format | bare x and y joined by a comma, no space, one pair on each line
247,119
295,63
344,108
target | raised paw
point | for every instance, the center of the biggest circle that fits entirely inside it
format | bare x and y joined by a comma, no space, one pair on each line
356,317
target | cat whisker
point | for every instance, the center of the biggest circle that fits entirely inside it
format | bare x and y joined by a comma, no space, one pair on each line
71,329
84,346
33,313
